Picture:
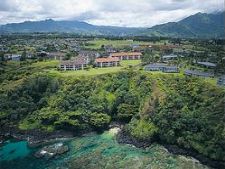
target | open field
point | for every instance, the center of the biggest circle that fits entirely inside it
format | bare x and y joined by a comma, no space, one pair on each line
126,63
96,44
46,64
93,71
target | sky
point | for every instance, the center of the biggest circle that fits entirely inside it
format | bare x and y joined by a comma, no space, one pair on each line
128,13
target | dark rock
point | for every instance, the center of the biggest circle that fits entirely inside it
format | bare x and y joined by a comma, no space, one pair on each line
204,160
34,137
125,138
52,151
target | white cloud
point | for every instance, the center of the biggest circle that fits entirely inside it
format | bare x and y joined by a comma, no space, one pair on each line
132,13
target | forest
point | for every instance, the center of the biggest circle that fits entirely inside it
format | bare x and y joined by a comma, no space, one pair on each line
173,109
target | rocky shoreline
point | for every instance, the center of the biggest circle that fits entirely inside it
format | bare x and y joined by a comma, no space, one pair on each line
37,137
124,138
34,137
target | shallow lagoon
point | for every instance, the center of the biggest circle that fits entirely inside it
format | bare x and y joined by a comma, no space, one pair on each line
95,152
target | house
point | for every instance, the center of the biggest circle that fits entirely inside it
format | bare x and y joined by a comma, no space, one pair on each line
127,55
207,64
161,67
107,62
56,55
109,49
198,73
78,63
92,55
3,48
164,48
221,81
13,57
171,69
169,57
155,67
141,47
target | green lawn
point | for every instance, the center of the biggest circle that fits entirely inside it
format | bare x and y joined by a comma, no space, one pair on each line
126,63
96,44
46,64
93,71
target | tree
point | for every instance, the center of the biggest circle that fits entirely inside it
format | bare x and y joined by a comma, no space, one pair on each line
23,56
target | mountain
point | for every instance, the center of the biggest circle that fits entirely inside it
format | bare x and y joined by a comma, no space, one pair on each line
199,25
66,26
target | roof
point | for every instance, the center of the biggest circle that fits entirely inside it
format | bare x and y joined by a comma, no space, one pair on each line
198,73
108,59
209,64
15,55
222,77
125,54
169,56
156,65
75,61
160,65
87,52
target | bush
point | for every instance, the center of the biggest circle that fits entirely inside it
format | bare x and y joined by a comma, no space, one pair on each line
143,129
99,120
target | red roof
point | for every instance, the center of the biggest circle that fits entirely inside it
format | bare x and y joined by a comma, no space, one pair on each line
126,54
108,59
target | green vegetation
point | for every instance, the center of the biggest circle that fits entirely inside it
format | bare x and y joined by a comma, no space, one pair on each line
98,43
91,72
170,108
142,129
187,112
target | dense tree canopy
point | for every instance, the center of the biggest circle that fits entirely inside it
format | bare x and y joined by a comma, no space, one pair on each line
188,112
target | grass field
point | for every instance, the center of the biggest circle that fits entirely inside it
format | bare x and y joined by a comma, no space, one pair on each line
126,63
46,64
96,44
50,68
93,71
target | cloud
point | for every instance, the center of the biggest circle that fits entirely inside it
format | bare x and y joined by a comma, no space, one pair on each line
131,13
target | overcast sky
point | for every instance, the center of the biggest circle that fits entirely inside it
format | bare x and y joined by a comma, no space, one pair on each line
130,13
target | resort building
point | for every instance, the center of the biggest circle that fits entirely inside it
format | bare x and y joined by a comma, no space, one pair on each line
127,55
56,55
13,57
207,64
78,63
107,62
198,73
161,67
169,57
221,81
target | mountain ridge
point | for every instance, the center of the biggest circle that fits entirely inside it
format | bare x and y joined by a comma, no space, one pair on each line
199,25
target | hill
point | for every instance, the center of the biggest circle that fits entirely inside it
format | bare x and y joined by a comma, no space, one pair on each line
66,26
199,25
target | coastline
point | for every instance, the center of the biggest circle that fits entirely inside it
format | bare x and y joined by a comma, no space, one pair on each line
36,138
124,138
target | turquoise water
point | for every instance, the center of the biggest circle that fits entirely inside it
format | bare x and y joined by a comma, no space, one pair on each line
95,152
14,150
